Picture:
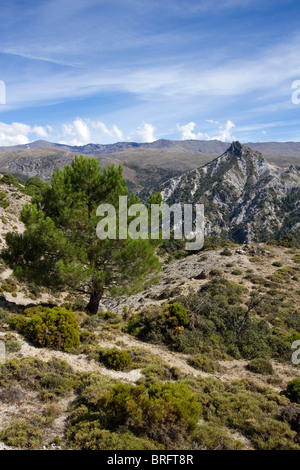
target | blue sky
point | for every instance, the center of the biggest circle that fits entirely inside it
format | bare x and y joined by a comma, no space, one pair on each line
80,71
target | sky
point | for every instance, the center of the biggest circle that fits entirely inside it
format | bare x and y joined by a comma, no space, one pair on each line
105,71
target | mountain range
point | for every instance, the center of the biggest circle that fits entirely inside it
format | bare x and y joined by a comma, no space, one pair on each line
144,164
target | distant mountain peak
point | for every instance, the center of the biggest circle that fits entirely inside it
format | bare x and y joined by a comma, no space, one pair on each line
239,150
236,147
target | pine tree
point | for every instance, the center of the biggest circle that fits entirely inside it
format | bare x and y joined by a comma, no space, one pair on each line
59,248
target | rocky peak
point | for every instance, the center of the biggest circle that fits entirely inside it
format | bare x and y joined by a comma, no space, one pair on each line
236,149
244,195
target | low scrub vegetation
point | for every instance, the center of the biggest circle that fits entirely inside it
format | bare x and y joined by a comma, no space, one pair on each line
115,358
156,415
55,328
221,317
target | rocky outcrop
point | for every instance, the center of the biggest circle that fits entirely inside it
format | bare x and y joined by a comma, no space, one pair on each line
245,197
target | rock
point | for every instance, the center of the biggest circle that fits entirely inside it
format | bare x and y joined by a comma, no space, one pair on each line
226,252
168,293
201,275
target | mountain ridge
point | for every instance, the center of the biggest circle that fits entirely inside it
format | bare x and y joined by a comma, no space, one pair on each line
144,164
245,197
289,148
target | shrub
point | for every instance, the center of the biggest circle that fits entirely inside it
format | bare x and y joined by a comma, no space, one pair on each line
203,363
278,264
217,319
34,374
175,315
291,415
87,435
3,201
54,382
237,272
216,272
260,366
12,345
115,358
226,252
22,435
211,437
8,287
8,179
55,328
293,391
164,412
87,337
12,394
248,408
157,372
4,316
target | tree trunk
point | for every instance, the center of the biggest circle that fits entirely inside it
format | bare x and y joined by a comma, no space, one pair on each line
93,305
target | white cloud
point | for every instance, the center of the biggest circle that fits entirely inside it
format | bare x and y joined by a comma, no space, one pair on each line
82,132
114,132
224,132
78,131
42,131
18,133
188,134
145,133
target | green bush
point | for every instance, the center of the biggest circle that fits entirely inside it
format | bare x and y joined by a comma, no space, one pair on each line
226,252
115,358
12,345
145,409
155,372
55,328
211,437
175,315
216,272
164,413
87,337
8,179
54,382
237,272
248,408
217,319
3,201
260,366
22,434
87,435
4,317
31,373
293,391
202,362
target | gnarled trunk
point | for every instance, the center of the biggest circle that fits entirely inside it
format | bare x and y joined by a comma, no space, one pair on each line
93,305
